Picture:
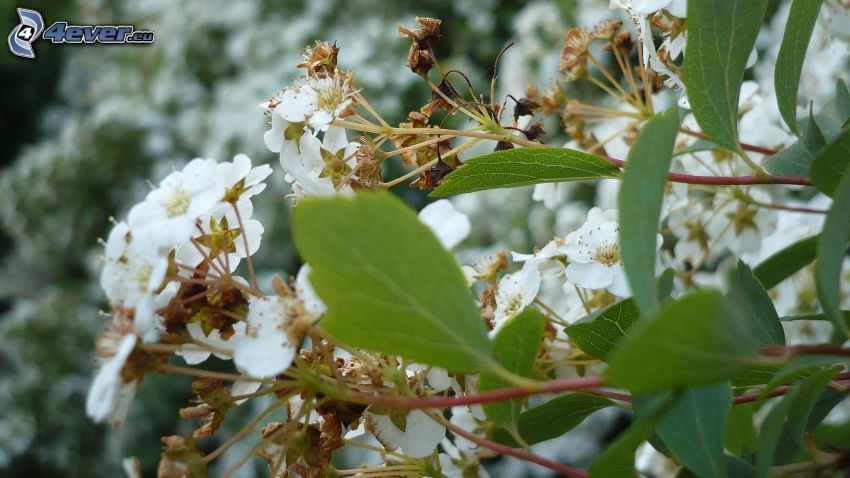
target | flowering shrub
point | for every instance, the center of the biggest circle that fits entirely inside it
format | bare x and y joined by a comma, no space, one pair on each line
683,304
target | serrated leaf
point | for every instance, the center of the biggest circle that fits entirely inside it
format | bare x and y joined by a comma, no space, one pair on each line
523,167
831,162
553,418
792,52
693,428
618,459
410,299
515,348
755,307
783,264
797,159
696,340
641,195
831,253
599,334
718,47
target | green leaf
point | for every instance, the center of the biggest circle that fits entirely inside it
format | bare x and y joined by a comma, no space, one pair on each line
788,447
693,428
720,40
553,418
834,115
831,252
598,334
755,307
696,340
797,159
523,167
786,262
785,424
410,299
798,366
792,52
515,347
831,162
618,459
740,433
792,318
641,195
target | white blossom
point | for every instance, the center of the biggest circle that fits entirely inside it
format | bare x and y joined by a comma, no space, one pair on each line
450,226
134,270
169,212
266,348
419,438
516,292
109,397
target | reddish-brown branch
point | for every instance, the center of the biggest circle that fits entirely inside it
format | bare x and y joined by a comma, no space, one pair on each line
816,349
552,386
745,146
726,180
506,450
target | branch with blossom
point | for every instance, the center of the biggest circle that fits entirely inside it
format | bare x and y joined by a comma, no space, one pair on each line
383,342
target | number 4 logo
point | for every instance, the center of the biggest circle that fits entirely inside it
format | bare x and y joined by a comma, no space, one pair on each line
25,33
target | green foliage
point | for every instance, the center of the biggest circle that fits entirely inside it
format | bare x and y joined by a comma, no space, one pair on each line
641,195
786,262
695,340
720,40
756,309
553,418
619,458
797,159
410,299
523,167
693,428
831,162
599,333
515,347
831,253
792,52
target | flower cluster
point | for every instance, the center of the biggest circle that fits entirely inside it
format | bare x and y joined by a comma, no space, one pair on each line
171,270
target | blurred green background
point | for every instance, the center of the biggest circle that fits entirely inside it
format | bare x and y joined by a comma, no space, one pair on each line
84,128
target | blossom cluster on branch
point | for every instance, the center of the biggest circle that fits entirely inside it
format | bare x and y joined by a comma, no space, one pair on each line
674,283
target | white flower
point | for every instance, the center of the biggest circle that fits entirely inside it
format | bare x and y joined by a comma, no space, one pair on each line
284,135
516,291
594,254
418,438
741,225
546,258
169,212
240,179
321,166
266,349
450,226
333,97
133,272
312,303
220,232
109,397
676,8
298,103
194,356
551,195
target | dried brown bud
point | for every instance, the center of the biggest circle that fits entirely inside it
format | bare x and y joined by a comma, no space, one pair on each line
525,106
534,132
320,59
420,60
574,53
199,411
424,37
606,30
433,177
